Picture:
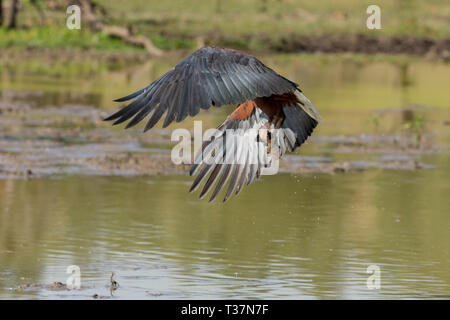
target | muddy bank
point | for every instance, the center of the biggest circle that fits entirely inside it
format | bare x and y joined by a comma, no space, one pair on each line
112,286
334,43
73,139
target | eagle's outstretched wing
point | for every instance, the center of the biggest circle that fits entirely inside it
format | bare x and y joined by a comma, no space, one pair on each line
209,76
272,117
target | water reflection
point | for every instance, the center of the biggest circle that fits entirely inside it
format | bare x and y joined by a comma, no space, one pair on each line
331,81
287,236
283,238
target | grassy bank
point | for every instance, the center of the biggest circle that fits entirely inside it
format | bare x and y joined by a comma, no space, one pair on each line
254,25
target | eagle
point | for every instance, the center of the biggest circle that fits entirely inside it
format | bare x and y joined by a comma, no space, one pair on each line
272,115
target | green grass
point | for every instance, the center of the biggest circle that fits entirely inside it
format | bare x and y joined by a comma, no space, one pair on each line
53,37
248,24
167,43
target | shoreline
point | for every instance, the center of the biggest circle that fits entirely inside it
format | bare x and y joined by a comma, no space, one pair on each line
73,140
432,48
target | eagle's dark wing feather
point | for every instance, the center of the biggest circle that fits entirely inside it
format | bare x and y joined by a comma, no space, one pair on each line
209,76
297,126
234,154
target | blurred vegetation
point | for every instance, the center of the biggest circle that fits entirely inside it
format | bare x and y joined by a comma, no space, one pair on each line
249,24
237,18
56,37
416,126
